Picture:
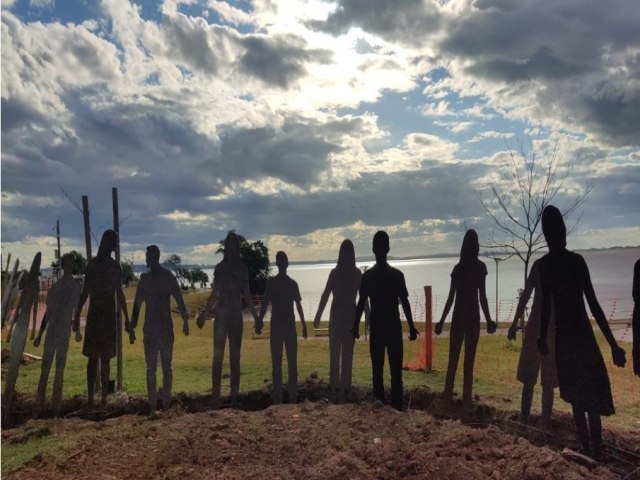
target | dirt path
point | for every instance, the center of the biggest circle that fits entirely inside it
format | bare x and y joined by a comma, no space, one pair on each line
311,440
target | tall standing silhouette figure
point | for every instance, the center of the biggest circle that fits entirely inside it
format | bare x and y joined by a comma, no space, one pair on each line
282,292
62,299
385,286
582,373
102,285
531,361
636,318
156,289
468,289
230,287
343,283
27,304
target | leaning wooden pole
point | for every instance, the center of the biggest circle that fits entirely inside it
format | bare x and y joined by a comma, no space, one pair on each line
87,226
116,228
428,329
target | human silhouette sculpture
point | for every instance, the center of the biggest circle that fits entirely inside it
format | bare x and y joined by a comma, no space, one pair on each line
27,305
156,289
62,300
636,318
282,292
230,287
582,374
102,285
468,290
385,286
531,361
344,283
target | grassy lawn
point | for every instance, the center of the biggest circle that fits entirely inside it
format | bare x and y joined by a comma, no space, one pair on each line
495,382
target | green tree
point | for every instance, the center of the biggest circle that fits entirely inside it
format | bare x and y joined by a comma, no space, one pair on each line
127,272
199,276
256,256
79,263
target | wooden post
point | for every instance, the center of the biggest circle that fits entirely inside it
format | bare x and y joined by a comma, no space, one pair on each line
87,227
58,254
116,228
428,329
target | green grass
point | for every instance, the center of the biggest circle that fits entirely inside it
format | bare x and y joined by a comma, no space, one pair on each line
496,363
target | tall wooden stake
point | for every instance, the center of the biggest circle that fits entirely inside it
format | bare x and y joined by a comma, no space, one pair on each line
58,254
428,329
87,226
116,228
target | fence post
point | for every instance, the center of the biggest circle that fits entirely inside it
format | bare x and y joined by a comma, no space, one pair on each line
428,329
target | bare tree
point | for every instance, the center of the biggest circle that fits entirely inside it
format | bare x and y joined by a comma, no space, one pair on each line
531,178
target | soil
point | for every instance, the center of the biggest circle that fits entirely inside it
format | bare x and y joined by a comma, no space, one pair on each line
314,439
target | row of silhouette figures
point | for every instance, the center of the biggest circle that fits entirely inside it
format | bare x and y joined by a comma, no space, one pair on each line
559,344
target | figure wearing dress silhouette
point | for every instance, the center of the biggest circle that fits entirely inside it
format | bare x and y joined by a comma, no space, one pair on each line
62,300
385,286
468,290
283,293
27,306
636,318
155,290
582,374
531,361
343,283
102,286
230,287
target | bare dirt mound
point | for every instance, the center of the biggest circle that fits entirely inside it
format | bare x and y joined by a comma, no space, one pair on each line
312,440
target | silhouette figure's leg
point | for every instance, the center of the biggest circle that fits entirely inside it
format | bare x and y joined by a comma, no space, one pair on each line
472,335
291,345
334,363
527,401
395,352
580,420
151,359
220,332
595,434
105,364
47,361
276,365
376,349
61,361
92,367
456,336
235,344
347,362
166,355
547,403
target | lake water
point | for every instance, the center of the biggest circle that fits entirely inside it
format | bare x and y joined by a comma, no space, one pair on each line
611,275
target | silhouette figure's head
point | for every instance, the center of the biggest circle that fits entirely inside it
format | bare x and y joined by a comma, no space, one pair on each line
231,246
380,244
35,265
108,243
152,256
68,262
470,246
347,255
282,261
553,228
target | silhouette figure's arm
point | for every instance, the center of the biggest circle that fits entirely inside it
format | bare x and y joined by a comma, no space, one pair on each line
524,298
636,282
362,300
324,298
301,315
83,298
406,308
137,303
447,307
248,299
594,305
122,301
636,319
35,312
209,306
263,307
544,315
491,325
43,326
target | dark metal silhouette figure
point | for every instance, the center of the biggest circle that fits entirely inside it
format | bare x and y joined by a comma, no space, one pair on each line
344,283
636,318
102,285
531,361
230,287
282,292
582,373
384,286
467,286
27,304
156,289
62,299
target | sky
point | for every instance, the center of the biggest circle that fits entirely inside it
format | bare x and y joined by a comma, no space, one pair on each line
304,122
